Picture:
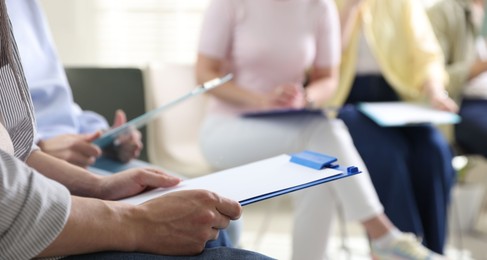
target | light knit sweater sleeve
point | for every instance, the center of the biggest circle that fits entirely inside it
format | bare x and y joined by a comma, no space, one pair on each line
217,29
34,209
450,25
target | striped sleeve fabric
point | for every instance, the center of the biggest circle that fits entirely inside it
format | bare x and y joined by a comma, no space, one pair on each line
34,209
15,101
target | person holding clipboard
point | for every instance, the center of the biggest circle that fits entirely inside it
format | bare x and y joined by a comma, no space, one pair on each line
466,64
64,130
269,45
55,209
411,166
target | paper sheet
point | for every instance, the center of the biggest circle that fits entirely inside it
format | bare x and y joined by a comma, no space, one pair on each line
255,180
406,114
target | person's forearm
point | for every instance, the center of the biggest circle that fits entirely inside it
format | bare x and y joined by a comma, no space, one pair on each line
322,86
438,96
178,223
477,68
320,91
94,226
79,181
434,87
208,69
348,15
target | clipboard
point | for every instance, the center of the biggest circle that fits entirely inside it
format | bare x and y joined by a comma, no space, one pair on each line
263,179
283,112
393,114
109,136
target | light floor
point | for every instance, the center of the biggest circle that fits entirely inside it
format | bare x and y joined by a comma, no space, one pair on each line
268,226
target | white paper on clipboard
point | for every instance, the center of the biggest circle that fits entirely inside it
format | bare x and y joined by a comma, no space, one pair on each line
255,181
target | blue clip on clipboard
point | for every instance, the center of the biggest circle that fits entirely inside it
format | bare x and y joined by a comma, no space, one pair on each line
263,179
313,160
109,136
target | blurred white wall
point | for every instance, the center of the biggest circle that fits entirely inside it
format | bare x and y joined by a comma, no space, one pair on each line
125,32
71,22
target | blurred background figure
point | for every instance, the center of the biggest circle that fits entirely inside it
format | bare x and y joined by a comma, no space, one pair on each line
391,54
458,26
64,130
270,46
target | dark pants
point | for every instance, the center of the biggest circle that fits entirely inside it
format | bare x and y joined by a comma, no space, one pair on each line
208,254
409,166
471,132
217,249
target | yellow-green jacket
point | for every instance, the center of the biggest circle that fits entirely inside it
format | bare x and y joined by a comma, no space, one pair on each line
400,36
456,34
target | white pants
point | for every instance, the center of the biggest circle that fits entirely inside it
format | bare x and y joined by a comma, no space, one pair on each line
231,141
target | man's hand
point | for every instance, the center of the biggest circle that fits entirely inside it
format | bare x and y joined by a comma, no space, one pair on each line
73,148
181,223
81,182
133,181
127,146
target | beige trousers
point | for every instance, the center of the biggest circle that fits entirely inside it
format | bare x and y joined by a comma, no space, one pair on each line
231,141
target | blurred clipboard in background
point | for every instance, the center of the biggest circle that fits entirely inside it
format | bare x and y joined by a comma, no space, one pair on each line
109,136
262,179
283,112
390,114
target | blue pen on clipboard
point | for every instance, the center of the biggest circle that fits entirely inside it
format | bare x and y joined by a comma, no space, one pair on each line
109,136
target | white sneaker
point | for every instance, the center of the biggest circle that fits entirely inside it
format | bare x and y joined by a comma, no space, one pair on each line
406,247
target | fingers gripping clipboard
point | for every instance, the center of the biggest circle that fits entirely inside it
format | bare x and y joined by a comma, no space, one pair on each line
263,179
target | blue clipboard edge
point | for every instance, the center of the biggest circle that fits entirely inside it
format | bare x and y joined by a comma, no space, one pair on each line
283,112
299,187
343,172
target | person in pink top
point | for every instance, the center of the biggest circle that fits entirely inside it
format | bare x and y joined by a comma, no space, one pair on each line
270,46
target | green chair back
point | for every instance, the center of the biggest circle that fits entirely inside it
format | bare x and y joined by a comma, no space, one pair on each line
104,90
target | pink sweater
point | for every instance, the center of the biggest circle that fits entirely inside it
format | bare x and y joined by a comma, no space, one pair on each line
265,43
